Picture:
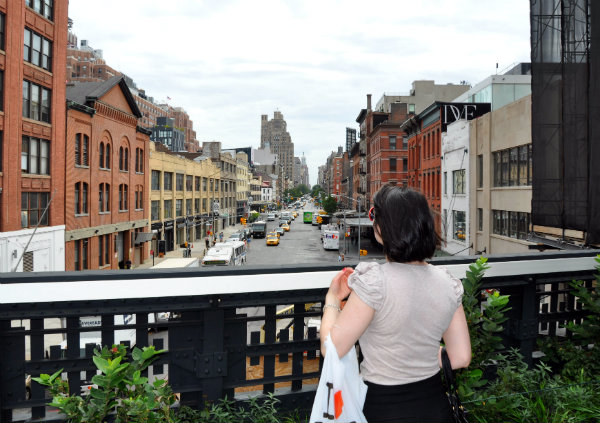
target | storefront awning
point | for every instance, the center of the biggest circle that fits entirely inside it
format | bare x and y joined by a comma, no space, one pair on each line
144,237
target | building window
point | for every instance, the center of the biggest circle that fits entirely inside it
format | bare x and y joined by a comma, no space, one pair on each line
204,209
139,160
104,198
460,225
411,108
81,198
104,250
179,181
81,254
139,197
168,209
445,183
459,182
204,184
211,185
189,182
197,205
1,89
37,50
511,224
197,184
124,159
392,142
107,158
178,208
36,102
156,180
480,219
155,210
43,7
392,165
82,144
101,156
168,181
35,156
2,31
188,207
123,197
33,205
480,171
513,166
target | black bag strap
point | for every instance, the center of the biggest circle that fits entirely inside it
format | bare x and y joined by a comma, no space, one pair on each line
448,372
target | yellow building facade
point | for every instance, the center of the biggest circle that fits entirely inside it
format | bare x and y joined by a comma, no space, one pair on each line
182,192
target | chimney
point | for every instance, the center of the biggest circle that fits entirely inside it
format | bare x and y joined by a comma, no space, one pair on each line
369,102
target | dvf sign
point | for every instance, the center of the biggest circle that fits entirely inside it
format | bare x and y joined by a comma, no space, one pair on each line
451,112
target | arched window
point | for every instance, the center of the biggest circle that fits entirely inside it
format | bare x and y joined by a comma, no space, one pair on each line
84,151
121,158
126,161
107,158
77,149
101,155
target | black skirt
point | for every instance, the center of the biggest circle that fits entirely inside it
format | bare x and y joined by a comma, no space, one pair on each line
424,401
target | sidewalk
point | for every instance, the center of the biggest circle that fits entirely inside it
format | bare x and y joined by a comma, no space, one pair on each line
197,249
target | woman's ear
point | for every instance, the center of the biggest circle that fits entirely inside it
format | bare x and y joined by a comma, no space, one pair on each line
377,233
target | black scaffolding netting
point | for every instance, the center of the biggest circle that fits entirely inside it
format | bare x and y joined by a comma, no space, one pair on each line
565,118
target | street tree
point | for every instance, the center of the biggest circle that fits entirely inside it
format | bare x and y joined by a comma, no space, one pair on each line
329,205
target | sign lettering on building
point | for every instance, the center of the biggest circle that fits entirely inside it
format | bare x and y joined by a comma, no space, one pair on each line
451,112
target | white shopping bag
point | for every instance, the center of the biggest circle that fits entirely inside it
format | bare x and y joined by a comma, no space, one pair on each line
341,392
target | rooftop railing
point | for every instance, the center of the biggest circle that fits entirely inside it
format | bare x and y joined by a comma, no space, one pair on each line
231,331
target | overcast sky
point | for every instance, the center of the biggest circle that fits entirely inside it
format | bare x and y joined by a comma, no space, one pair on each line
226,62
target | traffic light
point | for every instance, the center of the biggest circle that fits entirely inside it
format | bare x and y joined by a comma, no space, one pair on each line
243,220
319,220
363,252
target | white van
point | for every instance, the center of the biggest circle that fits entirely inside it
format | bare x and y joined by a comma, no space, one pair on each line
219,255
239,251
331,239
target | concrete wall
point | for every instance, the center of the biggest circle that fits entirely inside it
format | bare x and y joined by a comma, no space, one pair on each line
507,127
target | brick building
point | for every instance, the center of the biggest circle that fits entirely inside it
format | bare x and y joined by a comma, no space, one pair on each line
85,64
106,189
32,134
424,133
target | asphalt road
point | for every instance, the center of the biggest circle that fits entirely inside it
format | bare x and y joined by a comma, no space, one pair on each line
302,244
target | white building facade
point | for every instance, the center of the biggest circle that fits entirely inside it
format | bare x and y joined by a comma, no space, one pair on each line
455,188
45,252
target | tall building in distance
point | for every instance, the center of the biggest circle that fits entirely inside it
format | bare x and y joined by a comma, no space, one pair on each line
32,135
350,138
274,136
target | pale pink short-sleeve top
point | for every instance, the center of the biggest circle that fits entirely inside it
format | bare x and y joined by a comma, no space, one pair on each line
413,305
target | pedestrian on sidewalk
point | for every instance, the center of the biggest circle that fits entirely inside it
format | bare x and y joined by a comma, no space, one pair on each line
207,242
221,236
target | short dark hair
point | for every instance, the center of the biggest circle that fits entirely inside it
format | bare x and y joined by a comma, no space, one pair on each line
405,224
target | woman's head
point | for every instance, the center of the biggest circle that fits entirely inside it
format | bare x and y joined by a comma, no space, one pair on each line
404,222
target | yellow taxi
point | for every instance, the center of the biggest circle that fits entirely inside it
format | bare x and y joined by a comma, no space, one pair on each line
286,227
274,233
272,239
295,214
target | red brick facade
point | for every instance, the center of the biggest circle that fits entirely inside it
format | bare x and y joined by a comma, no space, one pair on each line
13,126
102,228
424,158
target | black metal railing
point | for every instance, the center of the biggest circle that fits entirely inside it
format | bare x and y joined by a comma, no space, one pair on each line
227,331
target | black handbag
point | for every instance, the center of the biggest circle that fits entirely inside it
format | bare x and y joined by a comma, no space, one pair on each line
459,413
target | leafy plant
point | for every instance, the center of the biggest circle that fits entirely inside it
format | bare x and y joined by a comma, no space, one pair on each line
119,390
484,311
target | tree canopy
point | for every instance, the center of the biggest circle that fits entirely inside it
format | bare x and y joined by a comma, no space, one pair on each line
330,205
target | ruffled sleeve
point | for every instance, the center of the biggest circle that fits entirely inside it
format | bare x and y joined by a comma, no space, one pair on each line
457,287
367,283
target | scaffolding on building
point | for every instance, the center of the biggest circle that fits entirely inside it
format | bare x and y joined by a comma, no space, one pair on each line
564,97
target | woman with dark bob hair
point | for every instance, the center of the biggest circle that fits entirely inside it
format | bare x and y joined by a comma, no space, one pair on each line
399,311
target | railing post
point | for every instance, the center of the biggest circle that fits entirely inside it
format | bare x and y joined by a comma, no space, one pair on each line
12,373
